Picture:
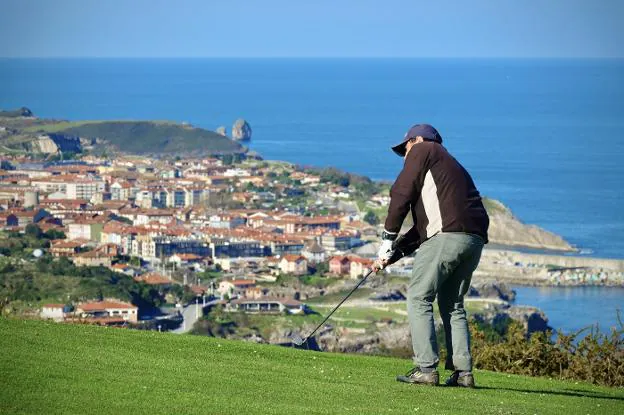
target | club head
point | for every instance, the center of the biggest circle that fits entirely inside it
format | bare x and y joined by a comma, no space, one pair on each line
297,339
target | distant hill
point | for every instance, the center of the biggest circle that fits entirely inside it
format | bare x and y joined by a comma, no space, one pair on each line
20,112
22,133
149,137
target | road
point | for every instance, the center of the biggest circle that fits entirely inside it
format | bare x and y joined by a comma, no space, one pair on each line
191,314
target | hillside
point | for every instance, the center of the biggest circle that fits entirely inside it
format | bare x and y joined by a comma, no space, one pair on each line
138,137
506,229
52,368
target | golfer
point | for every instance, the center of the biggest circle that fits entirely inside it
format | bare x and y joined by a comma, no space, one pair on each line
450,227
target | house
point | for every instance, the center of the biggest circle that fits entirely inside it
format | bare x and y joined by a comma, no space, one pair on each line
123,268
255,292
339,265
185,259
267,305
87,228
351,265
62,247
294,264
235,288
359,266
55,312
93,259
22,218
314,252
111,308
120,190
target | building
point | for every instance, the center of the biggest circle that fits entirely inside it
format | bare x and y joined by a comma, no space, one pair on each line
314,253
226,221
62,247
121,191
110,308
338,241
351,265
89,228
166,246
224,248
305,224
359,266
93,259
84,189
22,218
235,288
294,264
55,312
267,305
339,265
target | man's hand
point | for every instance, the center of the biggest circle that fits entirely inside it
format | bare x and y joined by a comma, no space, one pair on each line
378,265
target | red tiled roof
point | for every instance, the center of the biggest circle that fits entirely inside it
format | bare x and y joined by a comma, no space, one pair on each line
293,258
104,305
153,279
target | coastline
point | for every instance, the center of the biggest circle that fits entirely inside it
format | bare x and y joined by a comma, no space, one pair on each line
542,269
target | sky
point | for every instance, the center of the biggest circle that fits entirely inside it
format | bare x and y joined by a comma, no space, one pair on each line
320,28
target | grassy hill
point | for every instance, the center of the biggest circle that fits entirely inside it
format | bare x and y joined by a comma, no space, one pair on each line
138,137
142,137
53,368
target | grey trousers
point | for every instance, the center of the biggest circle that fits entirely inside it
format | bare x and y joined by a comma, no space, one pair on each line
443,266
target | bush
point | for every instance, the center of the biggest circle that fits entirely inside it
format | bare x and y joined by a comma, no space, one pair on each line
371,218
596,357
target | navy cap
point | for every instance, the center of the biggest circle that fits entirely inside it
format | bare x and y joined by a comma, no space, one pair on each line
425,131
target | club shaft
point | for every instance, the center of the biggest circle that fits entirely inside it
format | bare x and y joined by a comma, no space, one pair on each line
340,303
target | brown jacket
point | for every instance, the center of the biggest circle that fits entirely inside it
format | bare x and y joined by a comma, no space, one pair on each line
440,194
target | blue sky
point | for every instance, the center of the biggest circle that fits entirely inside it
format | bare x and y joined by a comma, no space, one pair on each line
320,28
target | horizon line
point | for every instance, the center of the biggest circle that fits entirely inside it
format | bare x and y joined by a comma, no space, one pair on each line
326,57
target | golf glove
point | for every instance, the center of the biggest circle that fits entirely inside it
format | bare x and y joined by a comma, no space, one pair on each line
385,250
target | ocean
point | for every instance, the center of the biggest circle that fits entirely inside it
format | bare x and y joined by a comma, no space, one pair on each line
546,137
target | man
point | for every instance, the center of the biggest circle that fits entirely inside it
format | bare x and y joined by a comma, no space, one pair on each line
450,229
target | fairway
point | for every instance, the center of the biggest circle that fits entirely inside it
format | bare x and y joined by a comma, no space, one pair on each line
54,368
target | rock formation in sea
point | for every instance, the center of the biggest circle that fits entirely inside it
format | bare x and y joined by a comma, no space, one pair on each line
241,130
221,130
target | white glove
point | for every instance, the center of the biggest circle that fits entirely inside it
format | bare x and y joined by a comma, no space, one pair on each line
385,250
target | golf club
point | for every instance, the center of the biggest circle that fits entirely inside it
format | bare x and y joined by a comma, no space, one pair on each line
298,340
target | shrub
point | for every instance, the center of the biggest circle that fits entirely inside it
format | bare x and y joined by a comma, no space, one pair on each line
596,357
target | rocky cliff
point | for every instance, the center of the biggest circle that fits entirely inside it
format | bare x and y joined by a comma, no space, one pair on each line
241,130
506,229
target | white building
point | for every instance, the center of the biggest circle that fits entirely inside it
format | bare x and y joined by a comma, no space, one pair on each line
53,311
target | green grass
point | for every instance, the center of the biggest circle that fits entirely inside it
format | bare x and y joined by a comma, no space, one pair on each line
55,127
53,368
336,297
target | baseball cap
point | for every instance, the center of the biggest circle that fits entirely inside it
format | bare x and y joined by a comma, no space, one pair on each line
425,131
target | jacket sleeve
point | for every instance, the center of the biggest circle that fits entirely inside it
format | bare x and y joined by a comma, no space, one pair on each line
404,191
405,245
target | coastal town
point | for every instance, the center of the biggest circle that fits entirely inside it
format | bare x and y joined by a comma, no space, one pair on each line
176,243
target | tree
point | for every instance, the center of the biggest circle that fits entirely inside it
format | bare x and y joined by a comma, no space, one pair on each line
33,230
371,218
54,234
228,159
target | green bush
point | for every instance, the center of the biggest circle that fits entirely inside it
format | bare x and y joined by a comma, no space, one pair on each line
596,357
